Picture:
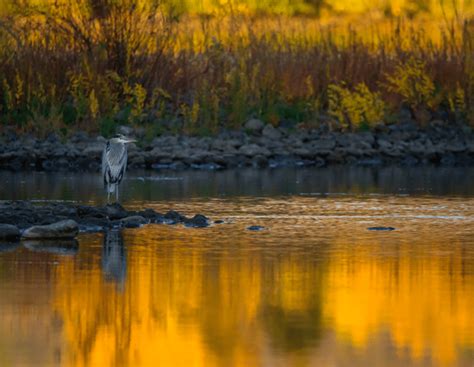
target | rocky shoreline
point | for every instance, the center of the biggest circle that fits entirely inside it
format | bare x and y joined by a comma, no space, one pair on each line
60,221
258,145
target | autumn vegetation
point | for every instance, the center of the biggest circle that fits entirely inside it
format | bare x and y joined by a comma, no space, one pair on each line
176,66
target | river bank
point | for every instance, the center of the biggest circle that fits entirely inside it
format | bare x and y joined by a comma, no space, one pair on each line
258,145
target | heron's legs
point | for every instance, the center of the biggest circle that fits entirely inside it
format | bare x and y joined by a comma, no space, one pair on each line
116,193
108,193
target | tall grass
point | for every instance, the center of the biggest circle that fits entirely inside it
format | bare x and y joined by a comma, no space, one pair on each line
94,64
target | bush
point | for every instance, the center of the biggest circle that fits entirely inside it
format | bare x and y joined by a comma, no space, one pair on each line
357,109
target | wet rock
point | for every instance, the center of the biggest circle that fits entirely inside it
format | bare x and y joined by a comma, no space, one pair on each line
198,221
174,217
57,247
134,221
9,232
63,229
381,229
115,211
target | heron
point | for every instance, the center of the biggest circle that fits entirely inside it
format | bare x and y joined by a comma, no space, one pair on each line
114,163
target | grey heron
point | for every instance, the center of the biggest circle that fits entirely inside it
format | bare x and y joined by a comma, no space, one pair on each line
114,163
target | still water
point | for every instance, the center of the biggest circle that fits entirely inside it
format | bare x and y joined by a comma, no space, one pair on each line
315,288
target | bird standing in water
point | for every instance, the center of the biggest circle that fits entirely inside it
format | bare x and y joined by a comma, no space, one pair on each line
114,163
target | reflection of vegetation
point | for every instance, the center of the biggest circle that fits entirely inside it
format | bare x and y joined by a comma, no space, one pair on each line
213,298
89,64
293,330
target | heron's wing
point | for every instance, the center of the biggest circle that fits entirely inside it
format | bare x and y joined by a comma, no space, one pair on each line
115,162
104,161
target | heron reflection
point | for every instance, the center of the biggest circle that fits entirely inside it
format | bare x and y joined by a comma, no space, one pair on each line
114,257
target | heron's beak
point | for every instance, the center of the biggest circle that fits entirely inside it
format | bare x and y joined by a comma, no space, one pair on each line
130,141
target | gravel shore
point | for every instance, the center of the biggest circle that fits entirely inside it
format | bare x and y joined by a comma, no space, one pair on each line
258,145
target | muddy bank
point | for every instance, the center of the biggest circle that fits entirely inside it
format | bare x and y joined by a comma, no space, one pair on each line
258,146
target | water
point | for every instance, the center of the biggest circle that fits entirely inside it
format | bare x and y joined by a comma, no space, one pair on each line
314,288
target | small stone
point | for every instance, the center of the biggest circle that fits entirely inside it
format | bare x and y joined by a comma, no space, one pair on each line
63,229
9,232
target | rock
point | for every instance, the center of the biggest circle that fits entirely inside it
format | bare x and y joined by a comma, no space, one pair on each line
63,229
254,125
381,229
174,217
251,150
93,150
9,232
255,228
115,211
134,221
271,133
323,146
57,247
198,221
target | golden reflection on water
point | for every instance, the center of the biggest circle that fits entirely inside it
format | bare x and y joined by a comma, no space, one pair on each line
315,289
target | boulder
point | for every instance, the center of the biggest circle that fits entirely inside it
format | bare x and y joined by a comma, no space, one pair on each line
9,232
61,230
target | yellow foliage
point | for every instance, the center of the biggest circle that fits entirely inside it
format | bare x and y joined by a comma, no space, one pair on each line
93,104
356,108
18,88
412,82
140,94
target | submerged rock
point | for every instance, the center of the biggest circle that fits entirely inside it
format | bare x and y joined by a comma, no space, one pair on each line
9,232
61,230
255,228
381,229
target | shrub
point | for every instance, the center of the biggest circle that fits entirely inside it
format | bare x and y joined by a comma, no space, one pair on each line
412,82
356,109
